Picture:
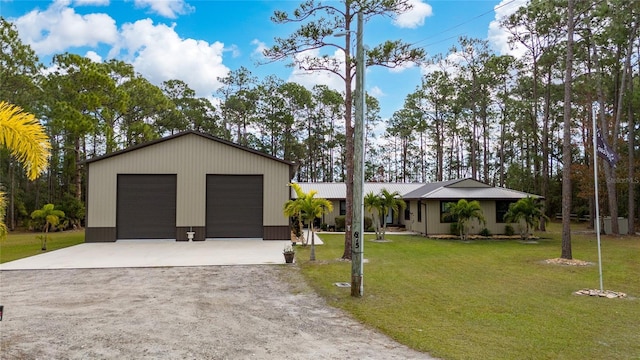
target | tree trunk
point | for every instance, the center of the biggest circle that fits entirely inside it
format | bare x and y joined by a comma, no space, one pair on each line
349,151
627,71
545,146
312,256
566,141
78,170
631,150
12,205
474,131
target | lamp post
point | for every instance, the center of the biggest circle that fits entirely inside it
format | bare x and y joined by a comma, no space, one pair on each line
357,240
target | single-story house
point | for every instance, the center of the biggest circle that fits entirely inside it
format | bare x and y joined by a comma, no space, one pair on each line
337,193
427,203
188,182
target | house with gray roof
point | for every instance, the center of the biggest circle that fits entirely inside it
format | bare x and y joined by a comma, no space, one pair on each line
427,204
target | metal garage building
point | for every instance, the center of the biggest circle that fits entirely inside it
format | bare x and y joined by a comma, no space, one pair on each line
187,182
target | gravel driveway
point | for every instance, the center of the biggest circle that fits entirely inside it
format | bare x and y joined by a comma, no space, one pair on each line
213,312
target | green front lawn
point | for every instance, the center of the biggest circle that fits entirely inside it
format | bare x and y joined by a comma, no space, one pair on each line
24,244
490,299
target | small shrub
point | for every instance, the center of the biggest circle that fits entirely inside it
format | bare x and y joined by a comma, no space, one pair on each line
74,211
340,220
485,232
508,230
323,227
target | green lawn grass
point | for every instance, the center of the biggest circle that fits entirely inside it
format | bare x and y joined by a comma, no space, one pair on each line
490,299
24,244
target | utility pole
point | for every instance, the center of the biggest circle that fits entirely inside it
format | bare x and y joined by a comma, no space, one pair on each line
357,240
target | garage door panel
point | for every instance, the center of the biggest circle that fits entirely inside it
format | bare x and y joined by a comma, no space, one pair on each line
146,206
234,206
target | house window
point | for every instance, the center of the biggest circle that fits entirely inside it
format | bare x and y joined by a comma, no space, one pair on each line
419,211
343,207
445,215
407,211
502,206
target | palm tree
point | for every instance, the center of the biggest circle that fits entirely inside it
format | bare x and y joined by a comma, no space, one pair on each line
51,218
27,140
391,202
307,208
292,208
528,210
373,204
25,137
465,211
311,209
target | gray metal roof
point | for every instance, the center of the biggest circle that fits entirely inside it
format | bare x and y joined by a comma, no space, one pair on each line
339,190
445,190
427,188
476,193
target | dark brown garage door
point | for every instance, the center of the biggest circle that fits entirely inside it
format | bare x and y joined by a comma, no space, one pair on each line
146,207
234,206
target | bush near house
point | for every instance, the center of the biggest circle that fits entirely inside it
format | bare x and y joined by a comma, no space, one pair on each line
340,223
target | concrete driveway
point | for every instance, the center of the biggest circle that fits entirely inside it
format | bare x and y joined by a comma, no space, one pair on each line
155,253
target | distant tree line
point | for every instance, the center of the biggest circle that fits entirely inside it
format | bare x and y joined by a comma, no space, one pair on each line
477,114
499,119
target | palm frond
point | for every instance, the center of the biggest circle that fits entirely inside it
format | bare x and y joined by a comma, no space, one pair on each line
25,137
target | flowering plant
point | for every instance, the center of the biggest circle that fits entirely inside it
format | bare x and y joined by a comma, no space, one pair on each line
288,249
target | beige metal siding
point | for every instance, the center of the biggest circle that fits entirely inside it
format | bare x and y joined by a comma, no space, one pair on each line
488,208
432,216
414,224
191,157
489,211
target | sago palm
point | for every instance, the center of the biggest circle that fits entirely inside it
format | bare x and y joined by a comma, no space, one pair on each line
312,208
391,203
465,211
528,210
292,208
51,217
373,204
26,139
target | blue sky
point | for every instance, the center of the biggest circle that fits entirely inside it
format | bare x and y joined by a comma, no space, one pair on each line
199,41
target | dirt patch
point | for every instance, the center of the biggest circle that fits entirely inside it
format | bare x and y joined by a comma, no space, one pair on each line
569,262
214,312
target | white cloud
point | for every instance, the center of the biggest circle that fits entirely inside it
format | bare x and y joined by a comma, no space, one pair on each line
167,8
158,53
310,78
59,27
234,50
499,37
448,64
93,56
376,92
402,67
91,2
415,16
258,52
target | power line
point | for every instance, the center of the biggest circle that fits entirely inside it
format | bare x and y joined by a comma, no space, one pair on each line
459,25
